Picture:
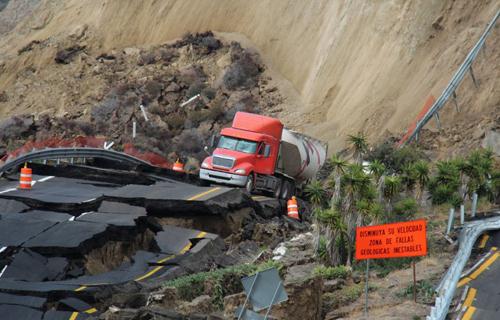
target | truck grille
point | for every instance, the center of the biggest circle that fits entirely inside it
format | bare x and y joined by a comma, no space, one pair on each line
222,162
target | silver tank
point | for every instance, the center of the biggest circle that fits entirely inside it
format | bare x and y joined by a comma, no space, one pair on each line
301,156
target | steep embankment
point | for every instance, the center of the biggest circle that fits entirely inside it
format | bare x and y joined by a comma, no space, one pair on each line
344,65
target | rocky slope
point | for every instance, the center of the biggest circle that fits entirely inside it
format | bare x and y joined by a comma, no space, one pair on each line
343,66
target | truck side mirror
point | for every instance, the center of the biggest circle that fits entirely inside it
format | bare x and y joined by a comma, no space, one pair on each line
267,151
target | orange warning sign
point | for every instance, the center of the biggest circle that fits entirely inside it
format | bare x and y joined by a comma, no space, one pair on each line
394,240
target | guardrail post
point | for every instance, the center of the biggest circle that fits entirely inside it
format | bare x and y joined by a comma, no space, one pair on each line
438,121
455,101
473,77
474,204
450,220
462,214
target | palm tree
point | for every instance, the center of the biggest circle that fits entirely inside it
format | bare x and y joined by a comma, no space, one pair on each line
377,169
315,193
338,168
392,187
409,177
359,145
421,168
355,184
335,230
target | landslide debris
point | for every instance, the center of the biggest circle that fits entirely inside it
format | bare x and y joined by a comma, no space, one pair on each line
84,90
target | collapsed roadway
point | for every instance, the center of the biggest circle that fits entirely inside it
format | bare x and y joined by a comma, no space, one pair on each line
83,233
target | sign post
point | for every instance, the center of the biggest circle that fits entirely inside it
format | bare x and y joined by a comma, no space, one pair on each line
394,240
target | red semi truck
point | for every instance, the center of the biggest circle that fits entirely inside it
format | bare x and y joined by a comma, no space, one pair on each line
258,153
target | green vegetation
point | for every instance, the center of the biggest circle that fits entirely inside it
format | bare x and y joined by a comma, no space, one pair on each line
332,272
222,282
346,295
425,291
389,189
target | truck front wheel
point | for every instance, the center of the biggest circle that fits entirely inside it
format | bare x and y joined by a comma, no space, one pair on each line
250,185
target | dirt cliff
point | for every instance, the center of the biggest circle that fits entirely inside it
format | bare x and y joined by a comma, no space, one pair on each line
343,66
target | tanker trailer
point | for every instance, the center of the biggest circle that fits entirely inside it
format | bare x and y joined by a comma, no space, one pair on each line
258,153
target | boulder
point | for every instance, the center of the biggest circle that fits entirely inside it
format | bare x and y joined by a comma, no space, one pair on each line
201,304
492,141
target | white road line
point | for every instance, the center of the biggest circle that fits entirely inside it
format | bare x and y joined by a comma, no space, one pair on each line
8,190
3,270
45,179
85,213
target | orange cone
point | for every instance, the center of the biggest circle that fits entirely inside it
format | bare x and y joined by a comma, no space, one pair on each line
178,166
25,178
293,208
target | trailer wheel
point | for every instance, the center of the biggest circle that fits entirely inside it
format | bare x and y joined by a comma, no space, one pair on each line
277,190
286,189
250,185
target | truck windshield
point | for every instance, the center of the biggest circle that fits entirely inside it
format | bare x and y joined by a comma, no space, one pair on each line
241,145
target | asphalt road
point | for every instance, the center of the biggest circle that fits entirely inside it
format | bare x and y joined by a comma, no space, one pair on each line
480,284
48,233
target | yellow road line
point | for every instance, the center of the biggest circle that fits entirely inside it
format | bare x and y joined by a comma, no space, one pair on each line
81,288
471,295
202,194
484,239
468,314
158,268
484,266
463,281
479,270
73,316
91,310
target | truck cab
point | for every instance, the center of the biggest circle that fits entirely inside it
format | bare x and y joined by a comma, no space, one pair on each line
246,151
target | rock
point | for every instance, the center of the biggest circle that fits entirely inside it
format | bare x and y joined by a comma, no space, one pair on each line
492,141
231,303
299,273
332,285
131,51
478,133
304,300
173,87
129,300
66,55
437,23
201,304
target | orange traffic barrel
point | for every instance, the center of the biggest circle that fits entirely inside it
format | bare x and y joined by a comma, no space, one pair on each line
178,166
25,178
293,208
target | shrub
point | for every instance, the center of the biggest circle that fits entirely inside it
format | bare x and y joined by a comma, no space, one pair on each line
175,121
395,159
331,272
194,89
242,71
346,295
146,58
192,286
404,209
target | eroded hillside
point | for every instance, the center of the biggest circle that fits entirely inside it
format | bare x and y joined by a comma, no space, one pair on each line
343,66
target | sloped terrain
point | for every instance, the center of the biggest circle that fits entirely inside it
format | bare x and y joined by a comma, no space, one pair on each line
342,66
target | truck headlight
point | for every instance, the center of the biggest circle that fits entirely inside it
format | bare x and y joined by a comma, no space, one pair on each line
204,165
240,171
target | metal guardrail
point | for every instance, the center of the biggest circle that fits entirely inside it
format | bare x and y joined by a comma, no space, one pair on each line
446,289
456,80
66,153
